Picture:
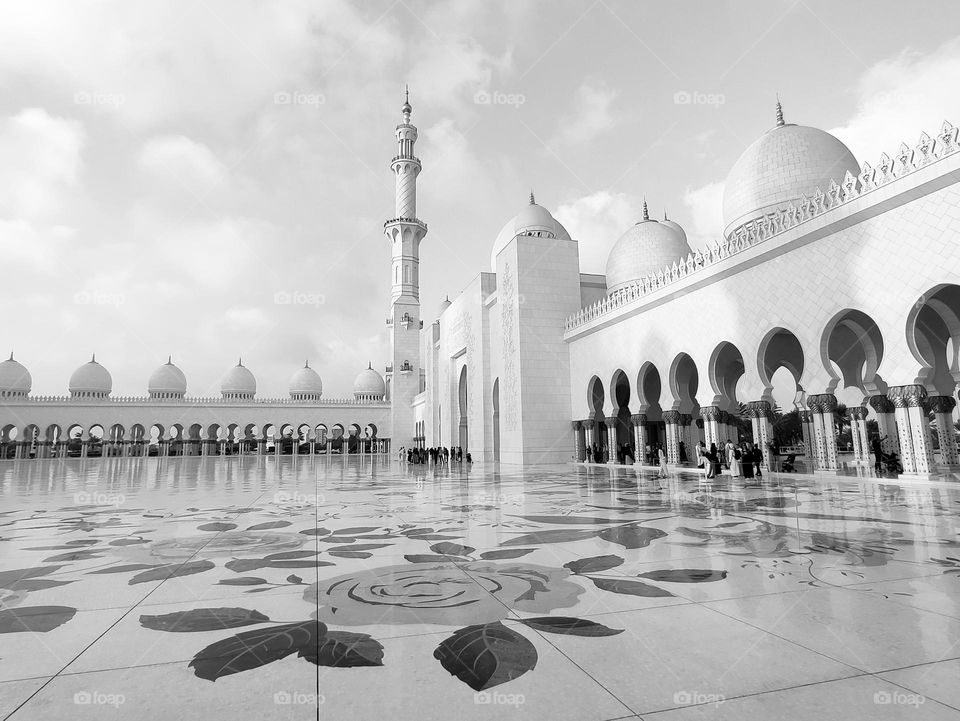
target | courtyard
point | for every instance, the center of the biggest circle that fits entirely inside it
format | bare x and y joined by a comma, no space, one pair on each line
363,588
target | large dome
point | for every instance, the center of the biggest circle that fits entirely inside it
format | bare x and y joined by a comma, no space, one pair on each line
785,163
238,383
15,380
91,380
532,220
305,384
643,250
167,381
369,385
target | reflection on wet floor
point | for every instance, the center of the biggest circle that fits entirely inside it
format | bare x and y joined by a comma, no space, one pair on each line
361,587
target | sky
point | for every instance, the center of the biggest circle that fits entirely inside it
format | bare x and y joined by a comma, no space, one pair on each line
209,180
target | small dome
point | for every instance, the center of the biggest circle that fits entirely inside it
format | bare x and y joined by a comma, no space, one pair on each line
673,225
369,385
238,383
167,381
532,220
15,380
643,250
91,380
443,306
782,165
305,384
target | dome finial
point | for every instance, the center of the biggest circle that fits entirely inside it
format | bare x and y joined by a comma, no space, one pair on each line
169,360
665,213
11,355
306,363
532,199
240,361
780,122
646,213
369,365
406,109
93,358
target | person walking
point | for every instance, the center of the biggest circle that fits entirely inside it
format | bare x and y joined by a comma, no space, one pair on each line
662,472
712,461
877,447
682,452
746,460
733,460
757,460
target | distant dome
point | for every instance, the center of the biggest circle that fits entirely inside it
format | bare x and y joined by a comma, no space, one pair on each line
15,380
532,220
369,385
305,385
443,306
673,225
91,380
238,383
782,165
643,250
167,381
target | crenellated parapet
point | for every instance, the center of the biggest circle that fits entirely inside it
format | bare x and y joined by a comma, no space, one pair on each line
840,192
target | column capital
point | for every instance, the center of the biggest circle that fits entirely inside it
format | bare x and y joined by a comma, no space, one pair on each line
638,418
577,425
710,413
857,413
822,403
672,417
881,404
942,404
806,416
911,396
589,423
759,409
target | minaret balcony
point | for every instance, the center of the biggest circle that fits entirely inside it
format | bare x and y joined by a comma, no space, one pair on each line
410,158
414,221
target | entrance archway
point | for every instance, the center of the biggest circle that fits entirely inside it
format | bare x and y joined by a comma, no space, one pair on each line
462,394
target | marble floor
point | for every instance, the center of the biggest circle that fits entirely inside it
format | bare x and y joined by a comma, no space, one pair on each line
359,588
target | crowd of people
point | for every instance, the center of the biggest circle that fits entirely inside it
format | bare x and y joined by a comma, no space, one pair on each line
435,456
743,460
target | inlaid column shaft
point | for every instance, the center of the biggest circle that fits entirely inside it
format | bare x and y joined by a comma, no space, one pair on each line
916,445
942,408
640,434
711,421
823,407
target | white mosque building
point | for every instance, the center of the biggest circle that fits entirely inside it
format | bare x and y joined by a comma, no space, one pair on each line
843,273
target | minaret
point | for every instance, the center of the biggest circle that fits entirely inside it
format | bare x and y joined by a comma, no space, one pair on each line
405,232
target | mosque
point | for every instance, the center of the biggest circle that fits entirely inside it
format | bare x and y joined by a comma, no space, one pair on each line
844,274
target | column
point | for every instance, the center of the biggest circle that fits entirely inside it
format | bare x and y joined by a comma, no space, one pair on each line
942,407
588,432
823,407
858,433
688,444
886,424
577,447
640,435
916,445
711,422
761,418
806,425
671,420
612,440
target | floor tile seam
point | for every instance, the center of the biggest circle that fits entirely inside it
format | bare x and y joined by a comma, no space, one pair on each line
904,603
754,694
914,691
783,638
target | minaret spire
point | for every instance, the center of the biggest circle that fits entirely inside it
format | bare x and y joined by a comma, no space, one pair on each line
780,122
646,213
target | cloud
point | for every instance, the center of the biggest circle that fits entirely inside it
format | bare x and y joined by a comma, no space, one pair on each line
900,97
705,206
41,163
185,163
593,117
596,221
